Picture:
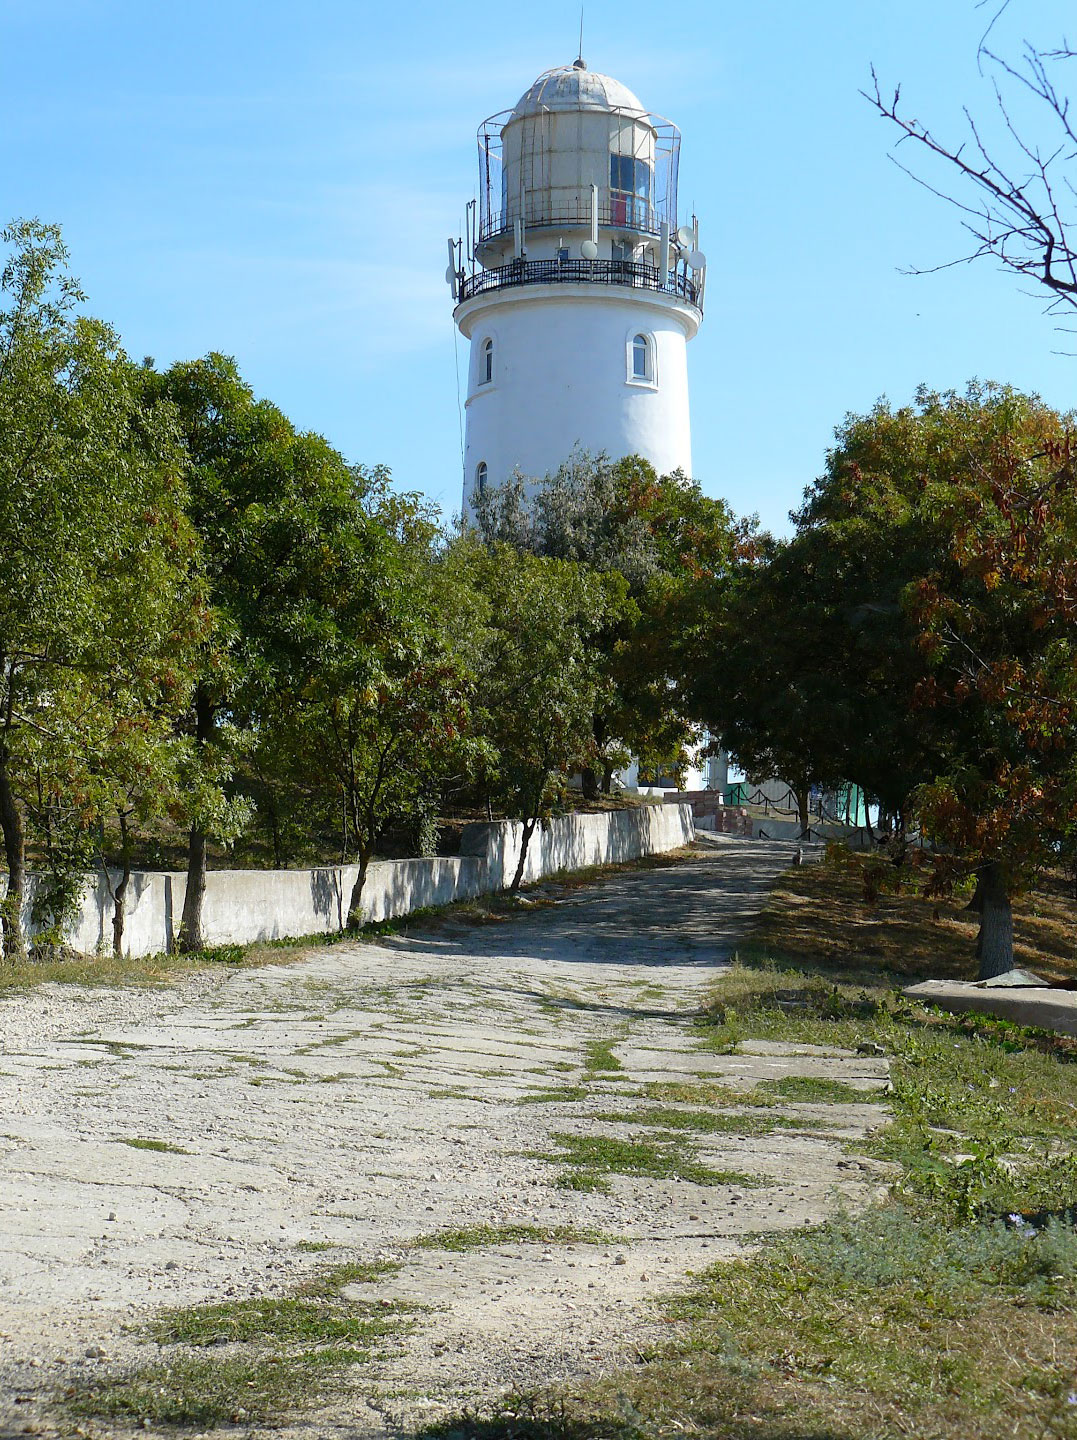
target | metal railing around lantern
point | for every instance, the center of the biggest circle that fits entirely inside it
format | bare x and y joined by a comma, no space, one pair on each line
631,273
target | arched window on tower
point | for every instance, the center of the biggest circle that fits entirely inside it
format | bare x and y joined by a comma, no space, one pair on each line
486,366
642,369
481,474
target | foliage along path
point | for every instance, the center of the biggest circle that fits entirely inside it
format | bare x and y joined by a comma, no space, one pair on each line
340,1107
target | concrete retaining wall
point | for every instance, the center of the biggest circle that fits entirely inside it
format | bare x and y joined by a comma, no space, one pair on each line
245,905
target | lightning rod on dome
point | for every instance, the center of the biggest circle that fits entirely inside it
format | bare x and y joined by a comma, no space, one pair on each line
579,53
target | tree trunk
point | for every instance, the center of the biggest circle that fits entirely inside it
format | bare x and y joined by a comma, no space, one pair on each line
590,783
802,811
607,778
996,924
274,833
976,904
355,904
525,841
119,899
190,933
15,855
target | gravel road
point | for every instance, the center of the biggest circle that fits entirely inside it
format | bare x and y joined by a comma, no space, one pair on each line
372,1093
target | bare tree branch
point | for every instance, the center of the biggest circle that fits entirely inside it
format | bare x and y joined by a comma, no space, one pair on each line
1021,207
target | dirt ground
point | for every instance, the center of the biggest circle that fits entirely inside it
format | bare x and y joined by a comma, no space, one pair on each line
377,1092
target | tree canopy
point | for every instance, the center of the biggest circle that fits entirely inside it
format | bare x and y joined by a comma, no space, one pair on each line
102,603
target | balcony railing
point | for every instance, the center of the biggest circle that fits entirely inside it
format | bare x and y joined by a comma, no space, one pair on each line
615,211
580,272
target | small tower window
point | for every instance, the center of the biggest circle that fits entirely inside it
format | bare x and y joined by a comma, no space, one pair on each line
481,474
641,358
486,366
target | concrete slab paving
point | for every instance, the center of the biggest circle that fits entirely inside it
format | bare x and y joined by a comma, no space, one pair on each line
370,1094
1041,1006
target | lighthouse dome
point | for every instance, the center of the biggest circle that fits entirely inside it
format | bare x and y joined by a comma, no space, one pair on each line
574,87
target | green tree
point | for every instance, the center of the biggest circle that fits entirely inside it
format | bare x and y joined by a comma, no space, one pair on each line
666,539
96,564
536,648
376,716
764,681
283,534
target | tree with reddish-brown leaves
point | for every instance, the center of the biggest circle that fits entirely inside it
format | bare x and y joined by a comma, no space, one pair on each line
918,636
997,622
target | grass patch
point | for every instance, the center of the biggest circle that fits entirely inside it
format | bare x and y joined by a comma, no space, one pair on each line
329,1284
817,1090
139,1142
204,1391
269,1355
689,1092
483,1237
591,1158
553,1097
701,1122
599,1057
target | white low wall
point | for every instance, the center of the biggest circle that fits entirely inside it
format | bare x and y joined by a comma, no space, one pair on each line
573,842
245,905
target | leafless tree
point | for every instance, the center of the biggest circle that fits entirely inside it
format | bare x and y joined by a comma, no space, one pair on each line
1017,193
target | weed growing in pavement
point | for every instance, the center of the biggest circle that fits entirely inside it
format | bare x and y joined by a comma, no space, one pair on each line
702,1122
483,1237
599,1056
688,1092
270,1354
589,1159
818,1090
552,1097
139,1142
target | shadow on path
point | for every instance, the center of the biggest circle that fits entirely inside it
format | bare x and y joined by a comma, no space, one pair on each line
692,914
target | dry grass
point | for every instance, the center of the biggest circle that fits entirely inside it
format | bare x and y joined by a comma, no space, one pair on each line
142,970
817,919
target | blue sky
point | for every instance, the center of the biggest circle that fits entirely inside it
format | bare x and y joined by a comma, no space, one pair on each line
278,181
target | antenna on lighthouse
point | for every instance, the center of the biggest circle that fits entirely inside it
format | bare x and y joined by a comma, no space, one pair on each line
579,53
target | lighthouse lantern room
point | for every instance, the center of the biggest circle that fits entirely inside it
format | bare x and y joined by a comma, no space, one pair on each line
575,285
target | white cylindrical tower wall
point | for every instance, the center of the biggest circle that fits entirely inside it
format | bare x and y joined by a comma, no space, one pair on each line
562,362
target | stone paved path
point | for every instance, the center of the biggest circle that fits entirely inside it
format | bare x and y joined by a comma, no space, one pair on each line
373,1093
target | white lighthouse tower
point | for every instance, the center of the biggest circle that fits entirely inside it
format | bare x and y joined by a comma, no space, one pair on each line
575,285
